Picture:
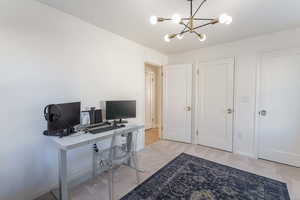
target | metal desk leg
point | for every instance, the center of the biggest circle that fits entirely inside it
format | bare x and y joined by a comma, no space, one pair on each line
136,166
94,165
63,175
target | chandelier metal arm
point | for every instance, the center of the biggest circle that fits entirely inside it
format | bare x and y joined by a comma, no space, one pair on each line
188,18
161,19
185,27
193,15
183,30
206,24
195,32
191,7
204,19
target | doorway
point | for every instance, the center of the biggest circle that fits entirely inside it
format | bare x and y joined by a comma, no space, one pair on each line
153,105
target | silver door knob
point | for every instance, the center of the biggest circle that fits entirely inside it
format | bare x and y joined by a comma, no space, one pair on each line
229,111
188,108
262,113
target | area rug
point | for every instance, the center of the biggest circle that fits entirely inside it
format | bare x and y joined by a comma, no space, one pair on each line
191,178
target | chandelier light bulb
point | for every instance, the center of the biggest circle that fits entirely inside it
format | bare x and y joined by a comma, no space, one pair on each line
180,36
153,20
228,20
167,38
176,19
223,18
202,37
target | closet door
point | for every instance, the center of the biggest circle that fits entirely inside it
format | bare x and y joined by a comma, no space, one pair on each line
279,107
177,94
215,89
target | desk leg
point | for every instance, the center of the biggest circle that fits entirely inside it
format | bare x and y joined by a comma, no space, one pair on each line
63,175
136,166
94,165
130,147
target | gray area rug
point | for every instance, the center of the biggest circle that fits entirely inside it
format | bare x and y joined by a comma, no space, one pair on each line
191,178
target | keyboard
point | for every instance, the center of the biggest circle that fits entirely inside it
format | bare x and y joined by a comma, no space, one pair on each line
104,129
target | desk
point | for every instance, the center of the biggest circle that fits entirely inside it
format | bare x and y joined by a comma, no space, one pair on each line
74,141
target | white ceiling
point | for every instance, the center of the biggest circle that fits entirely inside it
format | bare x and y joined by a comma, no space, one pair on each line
130,19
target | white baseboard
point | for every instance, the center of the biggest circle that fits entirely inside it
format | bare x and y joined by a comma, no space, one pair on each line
246,154
79,175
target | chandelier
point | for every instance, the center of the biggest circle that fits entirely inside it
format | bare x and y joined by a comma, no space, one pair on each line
190,23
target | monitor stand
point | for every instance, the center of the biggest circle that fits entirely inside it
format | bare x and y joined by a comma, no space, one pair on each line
120,121
67,132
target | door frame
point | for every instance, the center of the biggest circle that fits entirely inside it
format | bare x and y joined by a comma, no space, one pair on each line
152,98
196,116
258,95
159,103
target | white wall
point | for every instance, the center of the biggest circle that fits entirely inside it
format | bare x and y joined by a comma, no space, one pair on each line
47,56
247,53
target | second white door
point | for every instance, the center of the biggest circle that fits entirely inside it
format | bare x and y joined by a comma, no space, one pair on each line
215,94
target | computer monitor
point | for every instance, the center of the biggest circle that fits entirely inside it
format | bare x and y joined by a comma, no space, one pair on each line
118,110
66,115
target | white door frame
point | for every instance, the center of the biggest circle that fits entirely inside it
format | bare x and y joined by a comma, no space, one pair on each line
159,104
258,92
152,91
196,100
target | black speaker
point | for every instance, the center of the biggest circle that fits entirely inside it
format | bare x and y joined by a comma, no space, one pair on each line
95,116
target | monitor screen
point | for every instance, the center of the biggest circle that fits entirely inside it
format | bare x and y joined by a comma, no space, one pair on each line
69,116
120,110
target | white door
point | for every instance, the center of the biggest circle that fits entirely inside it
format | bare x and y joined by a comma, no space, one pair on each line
150,100
215,94
279,106
177,102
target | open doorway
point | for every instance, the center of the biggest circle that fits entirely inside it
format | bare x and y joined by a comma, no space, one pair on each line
153,103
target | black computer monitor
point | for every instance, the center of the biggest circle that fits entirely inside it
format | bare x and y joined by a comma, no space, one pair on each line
118,110
67,116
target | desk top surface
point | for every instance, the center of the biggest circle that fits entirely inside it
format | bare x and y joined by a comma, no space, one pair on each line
81,138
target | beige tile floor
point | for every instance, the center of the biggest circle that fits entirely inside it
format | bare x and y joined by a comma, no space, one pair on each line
157,155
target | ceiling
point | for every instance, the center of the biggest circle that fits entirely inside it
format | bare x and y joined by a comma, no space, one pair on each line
130,19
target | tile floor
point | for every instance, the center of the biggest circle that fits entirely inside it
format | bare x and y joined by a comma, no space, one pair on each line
157,155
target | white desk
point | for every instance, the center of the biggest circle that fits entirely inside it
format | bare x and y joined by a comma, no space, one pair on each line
73,141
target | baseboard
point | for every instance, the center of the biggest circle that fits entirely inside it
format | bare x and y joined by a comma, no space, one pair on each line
43,191
77,176
246,154
154,126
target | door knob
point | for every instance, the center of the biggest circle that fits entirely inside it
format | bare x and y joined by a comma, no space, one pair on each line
262,113
188,108
229,111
